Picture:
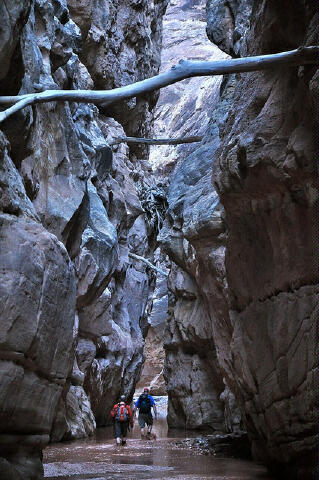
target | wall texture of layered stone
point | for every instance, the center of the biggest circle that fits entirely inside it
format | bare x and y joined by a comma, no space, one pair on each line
194,380
241,228
183,108
71,336
265,176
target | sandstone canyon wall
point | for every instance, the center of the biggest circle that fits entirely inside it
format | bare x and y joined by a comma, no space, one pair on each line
72,302
241,230
194,380
182,110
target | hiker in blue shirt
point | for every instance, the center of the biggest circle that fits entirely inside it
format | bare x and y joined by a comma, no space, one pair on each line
144,404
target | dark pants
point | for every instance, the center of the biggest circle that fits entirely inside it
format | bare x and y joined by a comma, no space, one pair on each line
120,429
145,418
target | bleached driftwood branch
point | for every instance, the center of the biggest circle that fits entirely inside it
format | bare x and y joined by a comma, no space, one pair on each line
157,141
184,69
148,263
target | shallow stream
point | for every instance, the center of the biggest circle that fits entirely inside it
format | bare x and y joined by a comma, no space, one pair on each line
98,458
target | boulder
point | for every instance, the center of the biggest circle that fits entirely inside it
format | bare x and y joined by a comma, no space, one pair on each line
98,251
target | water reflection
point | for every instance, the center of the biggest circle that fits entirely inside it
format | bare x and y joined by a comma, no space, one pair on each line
97,458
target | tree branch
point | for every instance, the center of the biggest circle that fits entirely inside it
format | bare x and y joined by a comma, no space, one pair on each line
184,69
148,263
157,141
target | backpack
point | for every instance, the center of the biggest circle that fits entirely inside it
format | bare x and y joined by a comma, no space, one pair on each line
145,404
122,414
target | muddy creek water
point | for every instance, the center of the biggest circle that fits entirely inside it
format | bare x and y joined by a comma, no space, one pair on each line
99,459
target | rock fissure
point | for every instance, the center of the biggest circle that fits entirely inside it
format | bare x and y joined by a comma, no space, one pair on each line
291,291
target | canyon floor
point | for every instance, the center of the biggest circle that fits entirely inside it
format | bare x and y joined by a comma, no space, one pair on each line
100,459
97,458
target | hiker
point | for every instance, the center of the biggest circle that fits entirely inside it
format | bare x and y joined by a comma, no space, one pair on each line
123,419
144,404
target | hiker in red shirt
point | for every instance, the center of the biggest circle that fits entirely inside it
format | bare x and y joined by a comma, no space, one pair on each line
122,416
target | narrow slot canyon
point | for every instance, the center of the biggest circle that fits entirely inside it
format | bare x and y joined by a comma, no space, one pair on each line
129,260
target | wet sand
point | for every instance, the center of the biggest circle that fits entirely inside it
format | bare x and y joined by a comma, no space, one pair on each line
99,459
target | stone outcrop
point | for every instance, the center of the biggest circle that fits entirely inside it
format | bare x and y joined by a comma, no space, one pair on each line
193,235
72,301
227,24
194,380
38,295
240,227
184,109
121,42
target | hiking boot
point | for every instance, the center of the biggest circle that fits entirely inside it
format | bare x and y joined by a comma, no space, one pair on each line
123,443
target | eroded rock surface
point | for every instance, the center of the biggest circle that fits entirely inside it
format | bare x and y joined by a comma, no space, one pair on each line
121,42
268,191
195,218
72,302
244,243
152,372
194,382
38,294
228,23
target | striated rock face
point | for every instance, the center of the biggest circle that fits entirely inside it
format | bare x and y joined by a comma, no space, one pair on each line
38,295
244,245
72,301
195,218
183,108
268,191
121,43
192,373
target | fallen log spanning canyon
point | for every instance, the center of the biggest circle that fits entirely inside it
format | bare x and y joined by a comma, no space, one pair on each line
184,69
157,141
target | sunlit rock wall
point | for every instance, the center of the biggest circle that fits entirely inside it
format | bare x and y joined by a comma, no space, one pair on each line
182,108
72,302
